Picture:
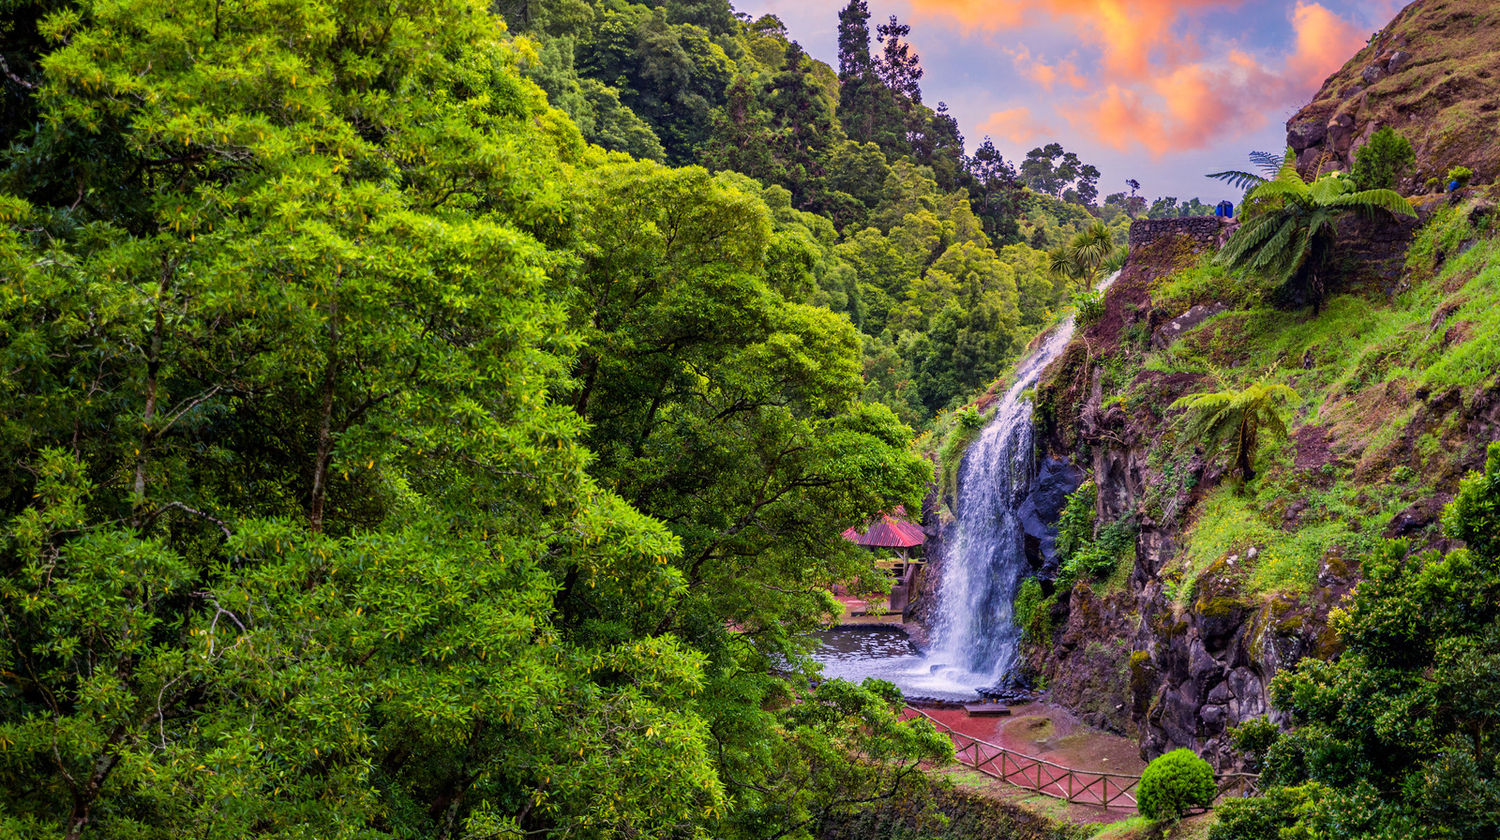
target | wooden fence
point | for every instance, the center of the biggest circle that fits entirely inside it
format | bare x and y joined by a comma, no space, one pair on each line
1083,787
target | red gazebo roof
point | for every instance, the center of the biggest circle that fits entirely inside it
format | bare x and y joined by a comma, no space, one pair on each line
889,531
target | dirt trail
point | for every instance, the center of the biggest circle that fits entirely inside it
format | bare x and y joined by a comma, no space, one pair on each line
1052,734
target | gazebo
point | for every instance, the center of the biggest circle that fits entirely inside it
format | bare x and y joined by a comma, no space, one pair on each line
890,531
895,533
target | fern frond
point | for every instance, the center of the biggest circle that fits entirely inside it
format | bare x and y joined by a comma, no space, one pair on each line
1297,192
1238,179
1387,200
1269,162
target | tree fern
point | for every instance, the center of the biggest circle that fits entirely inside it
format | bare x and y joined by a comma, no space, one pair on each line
1236,420
1290,226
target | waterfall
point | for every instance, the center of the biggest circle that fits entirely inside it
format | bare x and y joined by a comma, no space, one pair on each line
975,637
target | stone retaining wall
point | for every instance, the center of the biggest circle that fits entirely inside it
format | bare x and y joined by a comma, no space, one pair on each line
1204,230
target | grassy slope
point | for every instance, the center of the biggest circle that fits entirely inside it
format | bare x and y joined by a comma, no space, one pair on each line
1383,387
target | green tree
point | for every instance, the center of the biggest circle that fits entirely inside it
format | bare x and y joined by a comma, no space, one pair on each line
730,412
1290,225
671,74
1237,420
996,192
1382,160
1397,736
860,170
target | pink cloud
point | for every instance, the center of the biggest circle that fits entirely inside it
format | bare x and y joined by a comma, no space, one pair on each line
1129,33
1189,105
1048,75
1016,125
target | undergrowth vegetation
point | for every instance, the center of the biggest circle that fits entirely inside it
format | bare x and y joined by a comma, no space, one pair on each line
1361,446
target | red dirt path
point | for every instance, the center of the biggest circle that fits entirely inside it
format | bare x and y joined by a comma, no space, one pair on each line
1053,734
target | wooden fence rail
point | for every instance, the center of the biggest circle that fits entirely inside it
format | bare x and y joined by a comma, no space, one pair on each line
1083,787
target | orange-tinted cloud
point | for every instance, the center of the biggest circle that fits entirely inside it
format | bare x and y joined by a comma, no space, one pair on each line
1191,105
1324,42
1129,33
1048,75
1016,125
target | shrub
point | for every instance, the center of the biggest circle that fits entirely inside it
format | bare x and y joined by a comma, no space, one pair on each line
1028,598
1434,184
1382,160
1461,174
1033,612
1090,306
1174,783
967,426
1075,527
1253,739
1263,817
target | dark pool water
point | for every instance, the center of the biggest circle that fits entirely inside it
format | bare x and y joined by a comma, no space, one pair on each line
857,653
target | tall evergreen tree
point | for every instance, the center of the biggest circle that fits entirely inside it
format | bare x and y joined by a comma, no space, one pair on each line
995,192
854,40
899,67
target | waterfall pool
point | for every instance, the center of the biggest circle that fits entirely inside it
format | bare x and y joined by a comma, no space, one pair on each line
857,653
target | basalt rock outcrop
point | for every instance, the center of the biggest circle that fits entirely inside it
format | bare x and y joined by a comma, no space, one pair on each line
1142,659
1430,74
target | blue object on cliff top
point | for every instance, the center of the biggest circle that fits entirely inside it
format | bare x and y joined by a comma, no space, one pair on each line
1224,210
1453,186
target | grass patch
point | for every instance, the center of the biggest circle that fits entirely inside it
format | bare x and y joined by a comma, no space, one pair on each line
1204,282
1227,523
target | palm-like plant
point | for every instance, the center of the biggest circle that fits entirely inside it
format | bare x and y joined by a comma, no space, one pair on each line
1289,228
1237,419
1084,255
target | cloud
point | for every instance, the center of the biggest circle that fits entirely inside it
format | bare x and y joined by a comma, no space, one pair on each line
1324,42
1129,33
1193,105
1016,125
1048,75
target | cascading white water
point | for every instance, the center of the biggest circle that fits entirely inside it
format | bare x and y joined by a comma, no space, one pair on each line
975,629
975,637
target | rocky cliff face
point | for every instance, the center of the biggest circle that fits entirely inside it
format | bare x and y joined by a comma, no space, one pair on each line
1139,659
1182,643
1431,74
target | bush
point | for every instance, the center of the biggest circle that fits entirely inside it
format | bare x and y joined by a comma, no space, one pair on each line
1090,306
1461,174
1075,527
1382,160
1174,783
1083,554
1033,611
1263,817
1253,739
967,424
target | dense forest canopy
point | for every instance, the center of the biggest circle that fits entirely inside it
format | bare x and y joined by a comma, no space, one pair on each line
438,420
346,393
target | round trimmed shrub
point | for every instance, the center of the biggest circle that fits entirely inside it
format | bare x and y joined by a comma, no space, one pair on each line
1173,783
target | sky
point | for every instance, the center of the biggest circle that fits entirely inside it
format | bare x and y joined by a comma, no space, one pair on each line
1162,91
